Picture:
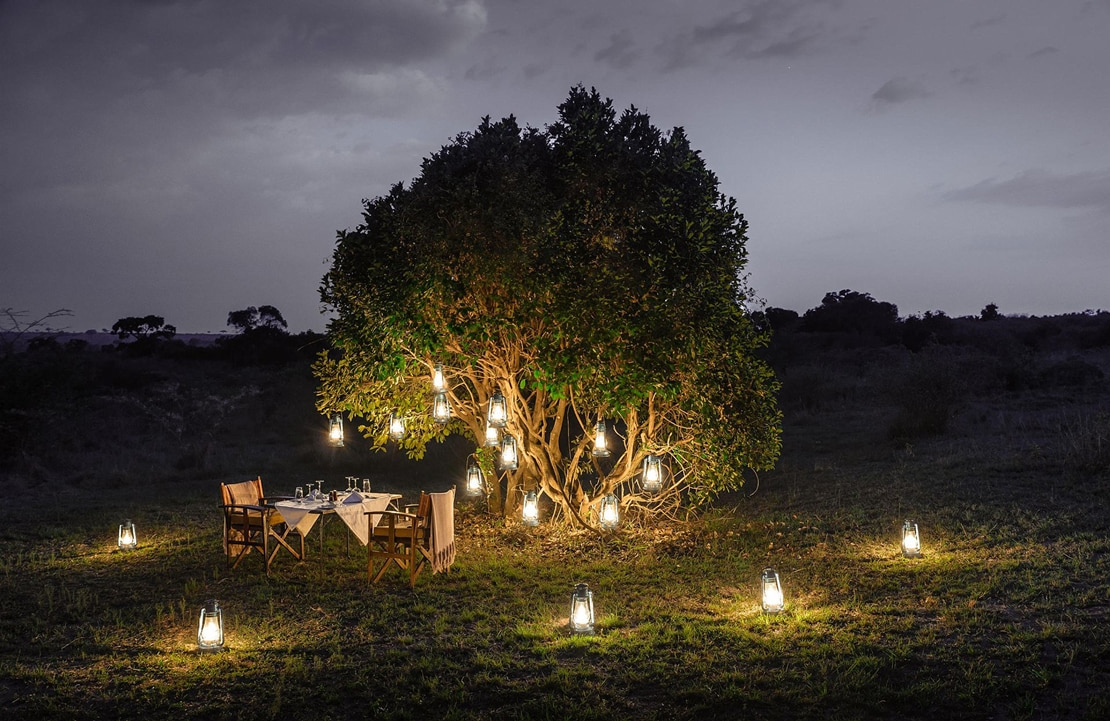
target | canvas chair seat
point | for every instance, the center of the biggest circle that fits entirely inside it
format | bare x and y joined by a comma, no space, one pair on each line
249,525
408,539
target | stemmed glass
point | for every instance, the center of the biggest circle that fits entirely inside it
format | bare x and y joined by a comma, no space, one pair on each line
319,489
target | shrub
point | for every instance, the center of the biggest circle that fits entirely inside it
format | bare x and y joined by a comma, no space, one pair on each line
927,393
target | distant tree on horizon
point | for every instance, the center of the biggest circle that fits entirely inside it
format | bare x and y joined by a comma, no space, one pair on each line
852,312
149,327
252,318
990,312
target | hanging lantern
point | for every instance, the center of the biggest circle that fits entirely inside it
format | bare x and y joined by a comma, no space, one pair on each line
601,442
911,540
439,382
493,437
610,512
441,409
210,631
582,609
653,474
396,427
335,431
127,540
531,513
772,591
508,454
475,480
497,414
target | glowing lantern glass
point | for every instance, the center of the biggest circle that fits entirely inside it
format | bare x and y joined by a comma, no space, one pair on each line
653,474
493,437
610,512
441,409
531,513
127,540
439,382
475,480
396,427
497,414
509,461
773,601
335,431
210,630
582,609
911,540
601,441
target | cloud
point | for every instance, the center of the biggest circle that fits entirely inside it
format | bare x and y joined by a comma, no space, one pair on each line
759,29
1043,52
619,53
1040,188
898,90
988,22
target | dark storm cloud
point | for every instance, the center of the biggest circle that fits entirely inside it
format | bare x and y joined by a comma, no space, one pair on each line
758,29
1040,188
898,90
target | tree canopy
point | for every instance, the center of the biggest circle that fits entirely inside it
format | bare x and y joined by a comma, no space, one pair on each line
591,270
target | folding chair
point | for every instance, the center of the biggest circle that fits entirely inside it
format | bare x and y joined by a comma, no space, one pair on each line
423,533
250,524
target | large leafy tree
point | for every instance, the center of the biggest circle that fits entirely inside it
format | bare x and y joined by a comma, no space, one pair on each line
590,270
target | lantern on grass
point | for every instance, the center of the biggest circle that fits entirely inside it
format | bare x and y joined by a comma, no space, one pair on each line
601,441
210,630
497,413
493,437
582,609
530,514
911,540
773,601
396,427
441,409
653,474
127,540
610,512
475,480
439,382
509,461
335,431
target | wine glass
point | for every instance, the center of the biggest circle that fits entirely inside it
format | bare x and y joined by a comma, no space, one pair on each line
319,488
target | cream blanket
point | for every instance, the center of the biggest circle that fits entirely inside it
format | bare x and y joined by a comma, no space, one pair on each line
442,543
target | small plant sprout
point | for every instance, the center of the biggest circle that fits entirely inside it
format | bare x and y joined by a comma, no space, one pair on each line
653,474
610,512
530,514
441,409
601,441
335,431
439,382
773,601
396,427
497,413
127,540
582,610
475,480
911,540
509,461
210,630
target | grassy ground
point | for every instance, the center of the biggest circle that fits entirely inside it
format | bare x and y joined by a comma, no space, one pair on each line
1007,616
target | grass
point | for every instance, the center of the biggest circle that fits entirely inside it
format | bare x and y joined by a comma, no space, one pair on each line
1007,615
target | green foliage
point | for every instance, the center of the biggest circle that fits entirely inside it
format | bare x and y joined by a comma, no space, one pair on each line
592,268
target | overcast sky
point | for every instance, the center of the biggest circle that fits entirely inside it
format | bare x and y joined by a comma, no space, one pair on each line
186,158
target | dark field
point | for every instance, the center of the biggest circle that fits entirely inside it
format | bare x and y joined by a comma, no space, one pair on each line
994,436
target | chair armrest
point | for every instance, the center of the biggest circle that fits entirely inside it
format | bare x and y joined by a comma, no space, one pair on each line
274,499
244,506
394,514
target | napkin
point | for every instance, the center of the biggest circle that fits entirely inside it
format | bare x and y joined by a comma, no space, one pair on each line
353,497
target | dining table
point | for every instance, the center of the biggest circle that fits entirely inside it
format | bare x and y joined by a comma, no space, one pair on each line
358,510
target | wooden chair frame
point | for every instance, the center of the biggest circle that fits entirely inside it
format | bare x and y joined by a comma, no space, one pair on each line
401,538
251,526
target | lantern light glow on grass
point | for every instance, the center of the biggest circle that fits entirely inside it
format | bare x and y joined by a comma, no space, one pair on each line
582,609
911,540
127,540
210,629
771,587
530,513
335,431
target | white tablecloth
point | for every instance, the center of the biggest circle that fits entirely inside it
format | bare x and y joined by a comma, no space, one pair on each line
353,509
